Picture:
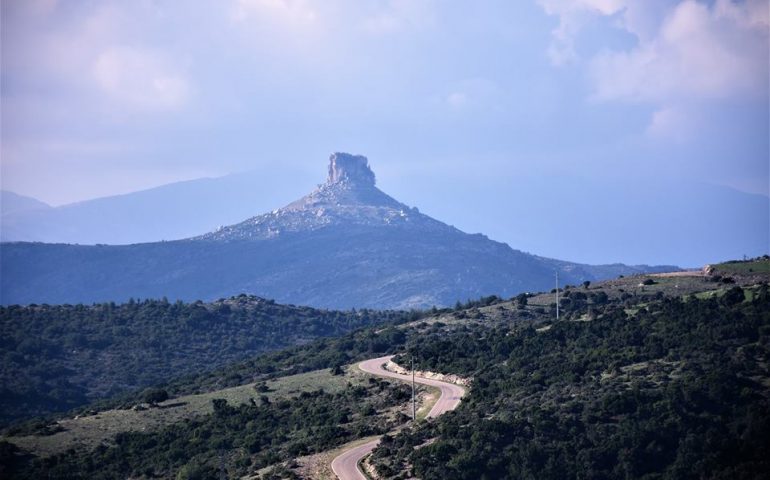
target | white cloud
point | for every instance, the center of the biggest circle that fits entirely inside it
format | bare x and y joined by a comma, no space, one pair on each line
685,51
561,7
101,54
140,79
699,52
573,14
670,123
694,50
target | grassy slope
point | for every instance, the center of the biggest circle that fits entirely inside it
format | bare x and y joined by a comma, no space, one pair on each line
91,430
59,357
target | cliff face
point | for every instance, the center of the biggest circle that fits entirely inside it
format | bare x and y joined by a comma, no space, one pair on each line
351,169
346,244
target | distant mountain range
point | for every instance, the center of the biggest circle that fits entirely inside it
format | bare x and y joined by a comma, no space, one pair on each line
169,212
585,219
14,204
346,244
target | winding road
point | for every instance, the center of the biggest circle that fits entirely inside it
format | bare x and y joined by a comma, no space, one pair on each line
345,466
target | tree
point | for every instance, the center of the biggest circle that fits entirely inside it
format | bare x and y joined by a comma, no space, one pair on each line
195,471
153,396
586,284
521,299
733,296
221,408
601,298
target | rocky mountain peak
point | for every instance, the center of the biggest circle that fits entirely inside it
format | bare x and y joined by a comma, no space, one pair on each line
348,199
354,170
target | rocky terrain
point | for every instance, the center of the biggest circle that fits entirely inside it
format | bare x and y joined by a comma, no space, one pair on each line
348,198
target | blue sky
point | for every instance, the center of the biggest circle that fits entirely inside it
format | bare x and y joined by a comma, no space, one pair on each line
448,99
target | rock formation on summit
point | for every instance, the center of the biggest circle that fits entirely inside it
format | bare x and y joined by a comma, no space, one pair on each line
353,169
348,198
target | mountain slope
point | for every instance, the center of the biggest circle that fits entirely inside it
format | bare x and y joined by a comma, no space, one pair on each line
347,244
169,212
13,203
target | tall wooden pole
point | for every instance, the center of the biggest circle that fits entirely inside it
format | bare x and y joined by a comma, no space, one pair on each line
557,294
414,403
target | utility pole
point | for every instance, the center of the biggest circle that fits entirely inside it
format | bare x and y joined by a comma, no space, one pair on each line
414,404
557,294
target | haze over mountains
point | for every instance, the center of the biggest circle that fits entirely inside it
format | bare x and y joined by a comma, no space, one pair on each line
601,222
170,212
346,244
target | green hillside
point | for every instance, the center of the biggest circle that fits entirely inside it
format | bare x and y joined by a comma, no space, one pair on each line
658,376
679,389
58,357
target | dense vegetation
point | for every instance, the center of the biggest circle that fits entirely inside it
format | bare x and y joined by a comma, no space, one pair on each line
56,357
234,440
630,384
679,389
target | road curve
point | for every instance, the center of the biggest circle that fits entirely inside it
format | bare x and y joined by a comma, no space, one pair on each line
345,466
450,393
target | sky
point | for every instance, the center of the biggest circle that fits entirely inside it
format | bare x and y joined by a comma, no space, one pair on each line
446,98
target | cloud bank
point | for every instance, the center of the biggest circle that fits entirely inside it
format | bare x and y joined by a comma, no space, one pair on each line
682,51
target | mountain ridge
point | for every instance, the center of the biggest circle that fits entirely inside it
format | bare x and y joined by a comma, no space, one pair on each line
347,244
11,202
633,222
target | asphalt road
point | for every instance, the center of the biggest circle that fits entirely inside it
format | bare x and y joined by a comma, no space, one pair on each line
345,466
450,393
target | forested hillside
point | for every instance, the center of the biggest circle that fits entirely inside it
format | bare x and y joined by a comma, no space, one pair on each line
56,357
676,389
646,377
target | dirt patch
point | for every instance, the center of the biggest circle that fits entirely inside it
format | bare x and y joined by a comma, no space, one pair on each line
316,466
686,273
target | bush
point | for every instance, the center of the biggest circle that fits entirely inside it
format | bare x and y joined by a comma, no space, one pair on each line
154,396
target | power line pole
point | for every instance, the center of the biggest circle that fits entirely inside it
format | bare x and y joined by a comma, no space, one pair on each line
414,404
557,294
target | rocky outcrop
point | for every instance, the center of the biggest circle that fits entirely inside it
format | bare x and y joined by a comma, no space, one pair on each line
348,198
350,169
449,378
